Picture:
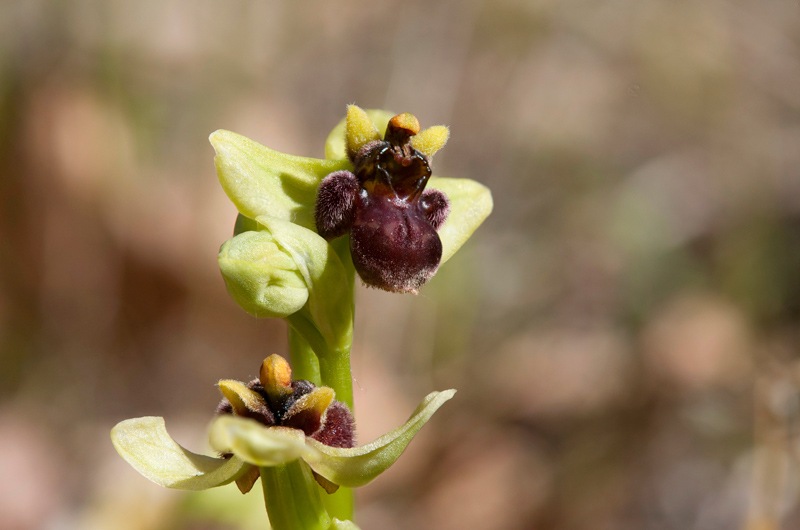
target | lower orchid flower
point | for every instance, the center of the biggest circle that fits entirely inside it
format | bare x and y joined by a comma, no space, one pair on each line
261,428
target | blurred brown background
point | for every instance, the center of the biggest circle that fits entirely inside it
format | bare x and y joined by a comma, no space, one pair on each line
623,330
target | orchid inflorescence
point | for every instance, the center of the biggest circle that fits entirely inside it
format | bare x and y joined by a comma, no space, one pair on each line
305,228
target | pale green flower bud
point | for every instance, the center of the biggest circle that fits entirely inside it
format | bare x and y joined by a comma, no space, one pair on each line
283,269
261,276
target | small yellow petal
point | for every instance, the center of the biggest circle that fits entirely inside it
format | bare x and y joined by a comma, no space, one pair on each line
276,376
359,130
430,140
241,398
316,401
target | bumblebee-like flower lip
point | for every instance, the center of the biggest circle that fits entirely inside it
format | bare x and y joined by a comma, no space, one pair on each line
262,182
146,445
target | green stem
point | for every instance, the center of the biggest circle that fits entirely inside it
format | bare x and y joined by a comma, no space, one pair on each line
334,368
340,504
312,350
304,360
330,369
314,359
293,498
335,371
335,365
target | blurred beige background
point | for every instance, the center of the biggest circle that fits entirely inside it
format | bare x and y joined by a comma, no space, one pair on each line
623,330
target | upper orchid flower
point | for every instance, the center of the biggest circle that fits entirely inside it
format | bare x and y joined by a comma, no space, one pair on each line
375,184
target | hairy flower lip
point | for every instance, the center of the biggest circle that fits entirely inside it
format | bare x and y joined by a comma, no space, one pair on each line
393,247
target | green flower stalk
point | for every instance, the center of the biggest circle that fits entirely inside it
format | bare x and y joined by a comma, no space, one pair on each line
305,228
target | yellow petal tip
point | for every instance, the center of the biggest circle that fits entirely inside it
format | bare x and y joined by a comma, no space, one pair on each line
318,401
241,398
359,129
429,141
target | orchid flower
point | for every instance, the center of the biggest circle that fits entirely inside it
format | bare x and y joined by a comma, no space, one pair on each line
261,428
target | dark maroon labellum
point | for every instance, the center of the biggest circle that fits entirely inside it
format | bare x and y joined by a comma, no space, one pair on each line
392,219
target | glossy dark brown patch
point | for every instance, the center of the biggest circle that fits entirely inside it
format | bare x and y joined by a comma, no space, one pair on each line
392,219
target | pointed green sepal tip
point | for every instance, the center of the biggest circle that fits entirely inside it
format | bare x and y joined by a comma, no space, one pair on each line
359,465
145,444
470,205
261,181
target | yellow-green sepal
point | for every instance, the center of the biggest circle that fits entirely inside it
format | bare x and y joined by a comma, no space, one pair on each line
145,444
359,465
470,204
255,443
261,181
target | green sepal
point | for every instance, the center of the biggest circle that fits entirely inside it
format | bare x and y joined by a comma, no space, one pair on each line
255,443
359,465
470,204
261,181
145,444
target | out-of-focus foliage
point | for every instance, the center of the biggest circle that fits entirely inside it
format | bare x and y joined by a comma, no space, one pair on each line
622,330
